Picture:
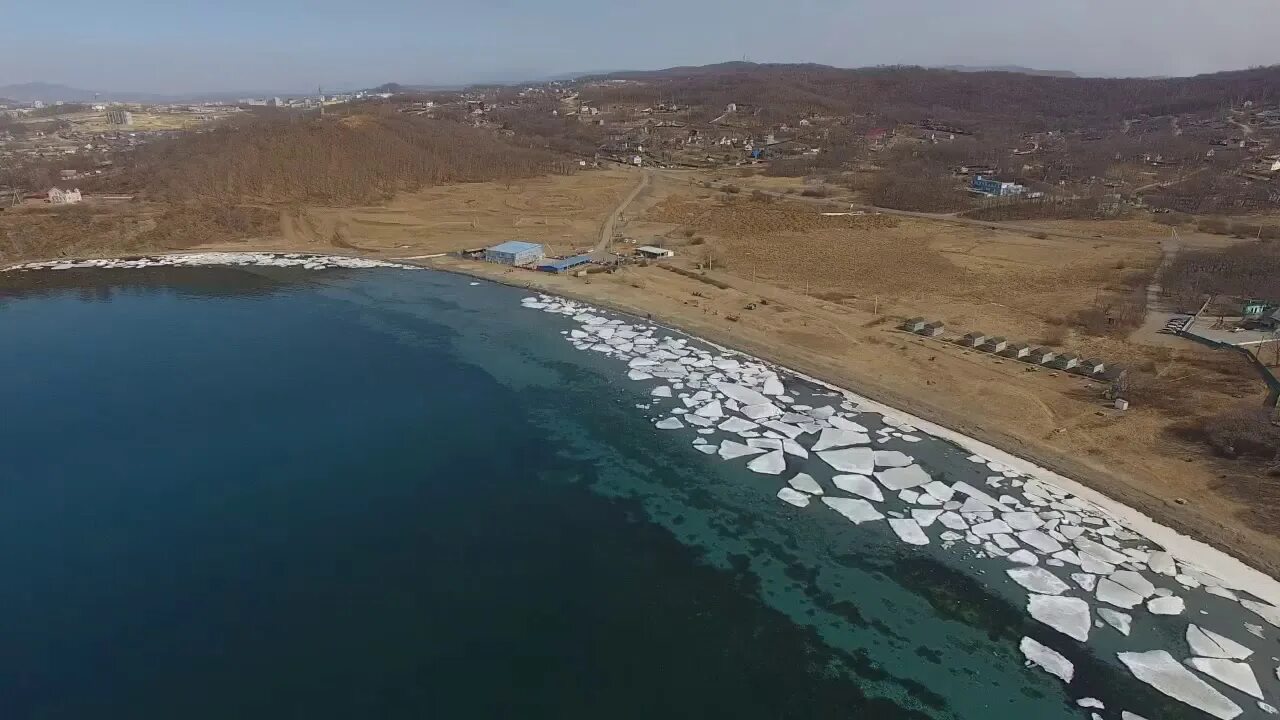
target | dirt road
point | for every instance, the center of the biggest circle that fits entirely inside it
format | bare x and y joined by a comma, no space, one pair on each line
606,230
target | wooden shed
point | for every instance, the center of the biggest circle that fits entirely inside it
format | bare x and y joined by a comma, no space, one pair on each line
933,329
1017,350
973,339
915,324
1041,355
995,344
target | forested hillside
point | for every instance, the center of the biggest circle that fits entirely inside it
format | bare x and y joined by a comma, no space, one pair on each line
362,156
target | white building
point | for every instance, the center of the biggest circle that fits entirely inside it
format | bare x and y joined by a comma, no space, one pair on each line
64,197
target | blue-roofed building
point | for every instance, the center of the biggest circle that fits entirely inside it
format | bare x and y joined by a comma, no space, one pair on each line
559,265
515,252
995,188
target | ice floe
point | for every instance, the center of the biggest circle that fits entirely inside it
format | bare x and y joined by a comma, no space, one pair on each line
900,478
771,463
1067,615
859,485
909,531
804,482
1047,659
859,511
1038,580
1230,672
202,259
1208,643
850,460
1021,524
794,497
1122,622
1161,671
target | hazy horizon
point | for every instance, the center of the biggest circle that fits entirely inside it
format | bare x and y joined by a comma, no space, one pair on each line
237,46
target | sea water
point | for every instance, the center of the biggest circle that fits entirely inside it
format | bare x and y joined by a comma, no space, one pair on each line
281,492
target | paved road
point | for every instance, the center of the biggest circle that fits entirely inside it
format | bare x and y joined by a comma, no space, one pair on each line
606,231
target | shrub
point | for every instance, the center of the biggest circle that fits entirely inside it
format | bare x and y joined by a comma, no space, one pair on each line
1247,431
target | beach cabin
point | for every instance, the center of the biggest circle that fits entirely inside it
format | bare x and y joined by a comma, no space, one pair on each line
515,252
933,329
1068,361
1018,351
1041,355
914,325
559,265
995,344
973,339
650,252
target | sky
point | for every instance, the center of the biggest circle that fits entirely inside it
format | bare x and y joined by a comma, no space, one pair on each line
295,45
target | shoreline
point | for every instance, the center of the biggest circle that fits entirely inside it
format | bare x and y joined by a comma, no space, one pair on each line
1174,536
1178,541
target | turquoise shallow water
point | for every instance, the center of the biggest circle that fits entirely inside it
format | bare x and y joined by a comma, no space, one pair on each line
385,493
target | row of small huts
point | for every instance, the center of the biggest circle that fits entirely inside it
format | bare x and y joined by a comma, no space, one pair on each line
1034,354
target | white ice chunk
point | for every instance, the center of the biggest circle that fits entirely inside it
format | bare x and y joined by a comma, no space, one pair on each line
856,510
939,490
1112,592
1022,520
771,463
909,531
901,478
850,460
794,497
1270,613
784,429
661,391
892,458
761,411
1086,581
1038,580
742,394
1116,619
845,424
1067,615
1040,541
1091,703
992,527
1166,606
925,517
730,450
1047,659
1161,563
833,438
859,485
773,386
1210,644
1134,581
1101,552
1024,557
791,447
1158,669
953,520
711,410
669,423
737,425
804,482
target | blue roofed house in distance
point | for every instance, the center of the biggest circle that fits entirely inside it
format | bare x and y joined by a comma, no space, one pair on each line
515,252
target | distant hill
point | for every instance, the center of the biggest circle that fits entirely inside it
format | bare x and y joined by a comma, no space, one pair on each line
345,157
1010,69
45,92
900,93
53,92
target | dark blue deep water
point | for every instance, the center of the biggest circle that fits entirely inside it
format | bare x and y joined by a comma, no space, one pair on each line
258,493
